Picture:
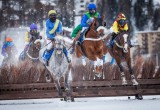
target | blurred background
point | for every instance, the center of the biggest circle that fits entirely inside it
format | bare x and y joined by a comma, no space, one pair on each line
143,17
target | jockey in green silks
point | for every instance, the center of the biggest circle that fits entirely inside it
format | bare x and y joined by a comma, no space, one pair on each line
86,21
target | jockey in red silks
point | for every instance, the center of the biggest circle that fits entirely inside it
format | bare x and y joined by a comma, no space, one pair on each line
53,27
8,43
119,25
30,36
86,21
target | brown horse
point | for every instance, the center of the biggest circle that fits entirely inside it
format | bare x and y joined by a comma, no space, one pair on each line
93,46
33,58
121,52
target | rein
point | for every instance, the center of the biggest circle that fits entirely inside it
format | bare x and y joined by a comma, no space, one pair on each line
93,39
33,58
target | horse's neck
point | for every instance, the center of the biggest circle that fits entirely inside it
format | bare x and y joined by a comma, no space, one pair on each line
58,58
92,34
32,51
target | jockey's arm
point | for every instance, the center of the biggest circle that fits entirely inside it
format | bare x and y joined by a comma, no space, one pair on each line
115,28
4,50
49,36
84,21
59,29
126,27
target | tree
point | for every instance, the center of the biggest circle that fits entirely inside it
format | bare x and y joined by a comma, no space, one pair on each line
143,12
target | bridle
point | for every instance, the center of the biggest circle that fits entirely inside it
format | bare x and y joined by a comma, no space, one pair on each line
33,58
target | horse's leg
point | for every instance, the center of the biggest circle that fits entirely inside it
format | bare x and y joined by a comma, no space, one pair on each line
66,85
128,60
83,61
118,60
56,82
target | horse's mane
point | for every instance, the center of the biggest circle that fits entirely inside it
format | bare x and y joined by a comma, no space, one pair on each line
67,42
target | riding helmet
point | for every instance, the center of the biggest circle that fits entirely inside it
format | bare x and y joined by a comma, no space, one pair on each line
51,12
9,39
91,6
121,16
33,26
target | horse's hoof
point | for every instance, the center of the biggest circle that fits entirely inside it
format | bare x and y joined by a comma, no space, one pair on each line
48,79
98,75
60,93
139,96
124,82
84,63
135,83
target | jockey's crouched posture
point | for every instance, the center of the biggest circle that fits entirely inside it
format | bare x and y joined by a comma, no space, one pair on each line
30,36
86,21
8,43
53,26
119,25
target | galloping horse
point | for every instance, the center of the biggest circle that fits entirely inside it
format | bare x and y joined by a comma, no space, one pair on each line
32,52
58,65
33,59
10,59
121,52
93,46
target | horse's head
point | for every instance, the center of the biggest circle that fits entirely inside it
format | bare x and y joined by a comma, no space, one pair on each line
124,37
38,44
58,46
99,25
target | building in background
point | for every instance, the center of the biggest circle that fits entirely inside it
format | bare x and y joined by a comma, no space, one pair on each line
149,44
80,9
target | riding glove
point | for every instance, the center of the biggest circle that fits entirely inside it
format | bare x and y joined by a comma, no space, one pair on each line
89,21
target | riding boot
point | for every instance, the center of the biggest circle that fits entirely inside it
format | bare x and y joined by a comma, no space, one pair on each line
72,50
24,52
66,54
109,44
80,40
46,56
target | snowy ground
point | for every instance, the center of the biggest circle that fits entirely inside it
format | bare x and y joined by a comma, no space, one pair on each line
110,103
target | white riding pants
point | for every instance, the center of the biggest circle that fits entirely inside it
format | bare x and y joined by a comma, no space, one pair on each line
49,46
84,28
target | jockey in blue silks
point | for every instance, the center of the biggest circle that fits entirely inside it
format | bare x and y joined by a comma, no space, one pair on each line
53,26
88,18
8,43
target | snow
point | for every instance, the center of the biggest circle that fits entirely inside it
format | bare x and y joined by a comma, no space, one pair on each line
48,2
155,2
101,103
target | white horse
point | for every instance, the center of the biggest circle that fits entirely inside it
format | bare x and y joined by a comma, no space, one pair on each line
58,65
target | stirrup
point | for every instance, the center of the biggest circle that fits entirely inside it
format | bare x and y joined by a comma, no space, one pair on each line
72,51
68,60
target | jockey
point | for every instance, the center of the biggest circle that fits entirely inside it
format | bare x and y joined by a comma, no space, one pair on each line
8,43
29,37
86,21
119,25
53,26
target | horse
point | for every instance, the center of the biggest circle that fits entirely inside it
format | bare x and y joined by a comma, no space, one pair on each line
121,52
33,50
11,58
93,46
33,59
58,65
